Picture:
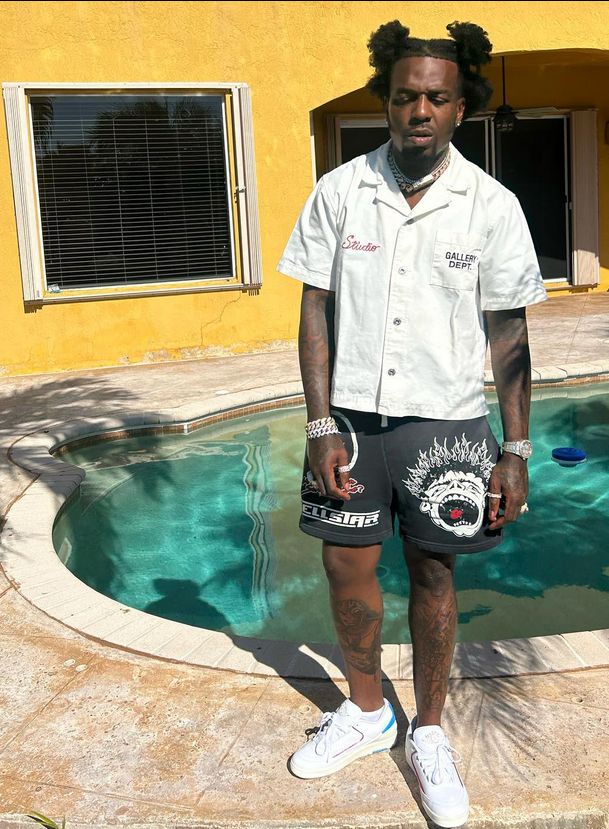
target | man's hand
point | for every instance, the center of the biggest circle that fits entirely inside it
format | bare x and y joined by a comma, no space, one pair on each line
326,454
510,479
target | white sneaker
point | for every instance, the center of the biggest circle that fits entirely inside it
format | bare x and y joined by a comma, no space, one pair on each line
342,737
431,757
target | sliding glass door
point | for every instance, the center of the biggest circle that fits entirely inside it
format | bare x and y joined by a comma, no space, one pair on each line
532,162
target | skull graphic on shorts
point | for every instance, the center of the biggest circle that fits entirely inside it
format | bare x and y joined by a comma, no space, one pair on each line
455,502
451,484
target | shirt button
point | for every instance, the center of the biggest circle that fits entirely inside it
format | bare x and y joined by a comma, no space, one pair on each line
391,372
401,270
397,321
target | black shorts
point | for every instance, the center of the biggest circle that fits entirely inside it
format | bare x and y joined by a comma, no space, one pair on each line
432,474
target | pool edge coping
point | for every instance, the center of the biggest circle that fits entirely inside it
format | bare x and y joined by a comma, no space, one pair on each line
35,570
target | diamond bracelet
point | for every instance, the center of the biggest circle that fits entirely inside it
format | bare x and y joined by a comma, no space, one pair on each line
323,426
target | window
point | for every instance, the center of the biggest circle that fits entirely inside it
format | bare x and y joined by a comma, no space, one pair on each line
549,161
355,136
133,190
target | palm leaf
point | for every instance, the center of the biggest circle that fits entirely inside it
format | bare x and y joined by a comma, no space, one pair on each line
46,821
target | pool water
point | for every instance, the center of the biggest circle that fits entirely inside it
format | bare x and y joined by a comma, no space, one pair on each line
203,529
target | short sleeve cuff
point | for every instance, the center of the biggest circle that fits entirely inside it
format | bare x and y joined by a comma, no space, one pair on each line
319,280
508,301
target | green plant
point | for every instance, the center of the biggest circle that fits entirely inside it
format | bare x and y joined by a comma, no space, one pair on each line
46,821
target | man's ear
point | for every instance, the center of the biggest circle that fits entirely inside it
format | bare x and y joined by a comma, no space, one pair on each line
460,109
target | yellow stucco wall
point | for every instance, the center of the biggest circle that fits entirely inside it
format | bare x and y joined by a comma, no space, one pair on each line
295,56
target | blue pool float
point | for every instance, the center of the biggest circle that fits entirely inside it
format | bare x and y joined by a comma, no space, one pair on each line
568,456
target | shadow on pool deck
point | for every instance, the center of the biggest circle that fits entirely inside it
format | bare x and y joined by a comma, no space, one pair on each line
108,737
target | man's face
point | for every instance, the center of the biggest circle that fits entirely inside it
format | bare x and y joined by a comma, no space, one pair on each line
424,106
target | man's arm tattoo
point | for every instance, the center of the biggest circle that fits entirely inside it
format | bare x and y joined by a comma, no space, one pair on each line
511,363
316,349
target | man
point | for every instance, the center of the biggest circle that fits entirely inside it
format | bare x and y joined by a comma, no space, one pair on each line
411,258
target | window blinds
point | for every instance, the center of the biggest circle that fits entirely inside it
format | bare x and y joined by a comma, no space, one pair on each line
132,189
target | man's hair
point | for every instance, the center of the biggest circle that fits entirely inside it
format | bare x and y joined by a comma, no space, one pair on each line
469,49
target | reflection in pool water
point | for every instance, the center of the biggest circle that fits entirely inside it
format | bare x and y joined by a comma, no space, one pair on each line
202,529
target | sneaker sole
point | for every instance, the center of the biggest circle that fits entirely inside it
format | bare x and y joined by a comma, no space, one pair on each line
445,823
384,743
439,820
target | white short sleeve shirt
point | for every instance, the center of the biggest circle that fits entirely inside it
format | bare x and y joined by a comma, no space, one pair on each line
411,284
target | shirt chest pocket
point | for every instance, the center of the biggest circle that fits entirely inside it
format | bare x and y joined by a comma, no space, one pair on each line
455,260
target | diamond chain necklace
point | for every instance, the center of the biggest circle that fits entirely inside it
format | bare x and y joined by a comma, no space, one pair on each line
411,185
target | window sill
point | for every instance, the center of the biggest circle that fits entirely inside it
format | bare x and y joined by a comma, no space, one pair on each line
556,285
64,297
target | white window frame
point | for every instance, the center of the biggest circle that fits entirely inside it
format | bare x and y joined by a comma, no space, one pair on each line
241,186
336,123
584,197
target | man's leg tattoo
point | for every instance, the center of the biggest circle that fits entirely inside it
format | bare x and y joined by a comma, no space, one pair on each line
433,627
432,615
359,631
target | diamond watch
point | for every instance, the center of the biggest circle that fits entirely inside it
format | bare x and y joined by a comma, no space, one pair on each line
524,448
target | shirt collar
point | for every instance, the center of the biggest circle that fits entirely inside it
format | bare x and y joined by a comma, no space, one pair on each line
377,171
456,178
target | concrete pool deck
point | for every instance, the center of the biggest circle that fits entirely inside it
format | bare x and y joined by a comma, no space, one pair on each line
109,737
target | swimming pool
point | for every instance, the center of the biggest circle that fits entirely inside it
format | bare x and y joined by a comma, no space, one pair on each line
202,529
